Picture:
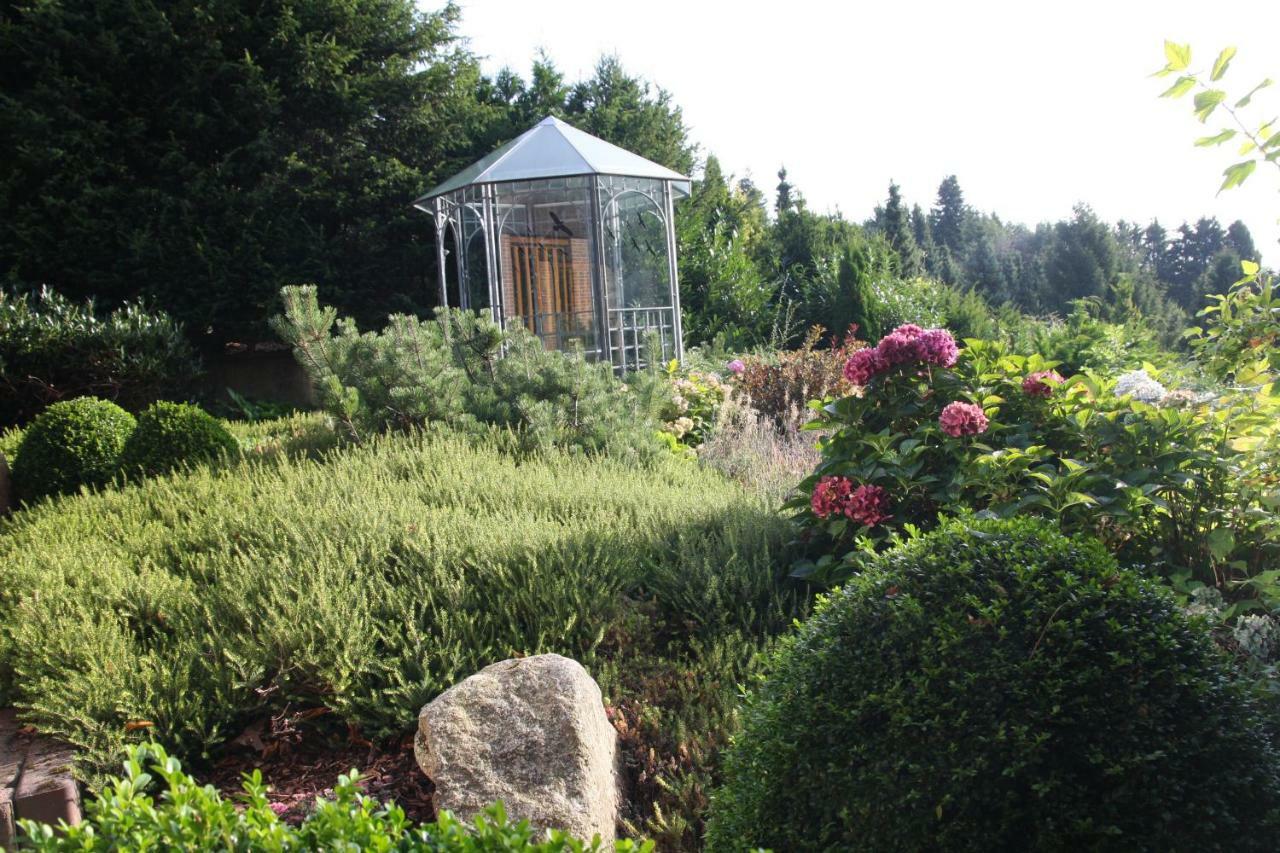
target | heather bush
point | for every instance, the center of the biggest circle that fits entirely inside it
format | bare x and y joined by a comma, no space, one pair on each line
186,607
155,805
169,435
996,686
52,349
71,444
1184,485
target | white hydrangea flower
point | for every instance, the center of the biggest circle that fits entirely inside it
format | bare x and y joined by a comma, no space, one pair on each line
1205,601
1258,634
1140,386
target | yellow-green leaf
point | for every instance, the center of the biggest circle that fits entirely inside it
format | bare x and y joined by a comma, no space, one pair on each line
1179,88
1220,64
1179,55
1216,139
1250,268
1237,173
1207,101
1244,102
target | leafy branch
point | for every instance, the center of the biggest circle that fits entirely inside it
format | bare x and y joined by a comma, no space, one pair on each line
1261,141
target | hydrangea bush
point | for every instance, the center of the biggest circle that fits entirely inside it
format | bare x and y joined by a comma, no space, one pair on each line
1185,485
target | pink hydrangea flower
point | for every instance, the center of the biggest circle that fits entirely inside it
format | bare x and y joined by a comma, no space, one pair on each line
830,496
736,367
959,419
863,365
936,346
899,346
868,505
1041,383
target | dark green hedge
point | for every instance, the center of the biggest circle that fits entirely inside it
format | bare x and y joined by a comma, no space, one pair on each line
995,686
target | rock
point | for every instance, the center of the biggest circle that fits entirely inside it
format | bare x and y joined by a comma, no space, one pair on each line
531,732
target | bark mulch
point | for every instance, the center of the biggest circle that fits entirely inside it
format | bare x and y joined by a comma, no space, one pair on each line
301,763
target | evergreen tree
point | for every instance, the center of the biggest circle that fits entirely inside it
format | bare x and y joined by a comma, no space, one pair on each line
894,223
1240,241
949,216
1082,261
784,203
629,112
200,155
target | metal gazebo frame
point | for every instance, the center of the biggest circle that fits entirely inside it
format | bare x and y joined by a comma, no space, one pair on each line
602,271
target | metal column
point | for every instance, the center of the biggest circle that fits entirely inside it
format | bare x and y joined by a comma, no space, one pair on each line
675,280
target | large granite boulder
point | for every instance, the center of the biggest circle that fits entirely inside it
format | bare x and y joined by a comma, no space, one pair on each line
531,732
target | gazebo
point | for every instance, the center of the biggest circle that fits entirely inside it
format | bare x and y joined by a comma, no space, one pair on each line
569,236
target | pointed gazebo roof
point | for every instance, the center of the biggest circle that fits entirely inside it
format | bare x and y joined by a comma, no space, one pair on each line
554,149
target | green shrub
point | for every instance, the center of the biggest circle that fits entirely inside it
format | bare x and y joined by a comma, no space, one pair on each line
369,582
71,444
188,816
462,371
53,349
170,435
996,686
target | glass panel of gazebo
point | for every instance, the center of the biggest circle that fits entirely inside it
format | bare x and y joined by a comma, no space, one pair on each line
637,270
545,247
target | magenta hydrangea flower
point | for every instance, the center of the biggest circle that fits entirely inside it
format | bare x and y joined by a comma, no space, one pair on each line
868,505
899,346
959,419
830,496
863,365
1041,383
936,346
865,504
736,367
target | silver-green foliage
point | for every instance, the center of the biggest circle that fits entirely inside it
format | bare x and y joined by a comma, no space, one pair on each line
367,583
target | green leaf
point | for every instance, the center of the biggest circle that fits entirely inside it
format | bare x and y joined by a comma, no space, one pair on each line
1178,55
1244,102
1272,141
1249,268
1237,173
1246,147
1207,101
1216,139
1221,543
1179,88
1220,64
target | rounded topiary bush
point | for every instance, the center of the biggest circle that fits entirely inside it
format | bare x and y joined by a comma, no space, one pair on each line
172,434
72,443
996,686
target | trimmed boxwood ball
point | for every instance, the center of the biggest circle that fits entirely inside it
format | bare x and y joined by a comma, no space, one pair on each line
173,434
72,443
996,686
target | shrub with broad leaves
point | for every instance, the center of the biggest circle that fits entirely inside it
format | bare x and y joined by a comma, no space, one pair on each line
1185,484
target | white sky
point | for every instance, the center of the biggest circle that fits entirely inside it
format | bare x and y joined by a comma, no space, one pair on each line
1034,106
